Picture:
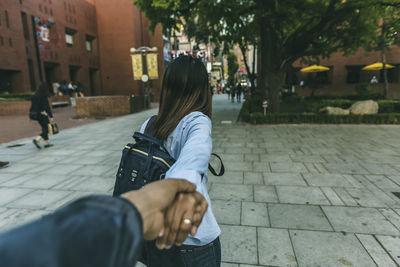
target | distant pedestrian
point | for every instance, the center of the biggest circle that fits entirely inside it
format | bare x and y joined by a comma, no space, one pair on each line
233,93
56,88
41,107
374,80
239,90
228,92
71,88
64,87
79,90
4,164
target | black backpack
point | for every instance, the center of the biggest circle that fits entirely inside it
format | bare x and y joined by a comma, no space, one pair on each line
146,161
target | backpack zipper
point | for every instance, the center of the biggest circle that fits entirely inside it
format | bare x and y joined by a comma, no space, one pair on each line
146,154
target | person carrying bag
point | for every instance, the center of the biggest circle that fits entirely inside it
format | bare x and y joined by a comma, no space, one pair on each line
41,112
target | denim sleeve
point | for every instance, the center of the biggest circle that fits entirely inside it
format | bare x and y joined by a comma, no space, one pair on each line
92,231
196,143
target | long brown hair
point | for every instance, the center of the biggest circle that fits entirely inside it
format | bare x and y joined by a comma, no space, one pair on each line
185,89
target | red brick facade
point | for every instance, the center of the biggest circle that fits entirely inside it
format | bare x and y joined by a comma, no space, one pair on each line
98,56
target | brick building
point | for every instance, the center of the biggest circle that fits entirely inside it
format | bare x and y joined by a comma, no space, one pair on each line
86,41
346,72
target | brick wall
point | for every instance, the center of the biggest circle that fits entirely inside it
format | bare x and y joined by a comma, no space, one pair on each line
102,106
15,108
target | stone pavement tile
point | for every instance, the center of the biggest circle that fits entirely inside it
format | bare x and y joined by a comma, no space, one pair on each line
225,264
9,194
38,199
392,245
329,249
261,167
275,248
302,217
19,217
320,167
332,159
383,182
295,167
251,157
333,198
94,184
68,199
345,196
392,216
91,170
258,150
265,194
301,195
237,150
380,169
227,212
326,179
359,220
42,181
83,160
311,168
353,181
231,157
22,168
239,166
375,250
62,169
229,177
253,178
395,178
276,157
231,192
5,177
239,244
70,182
254,214
345,168
365,197
232,144
307,158
283,179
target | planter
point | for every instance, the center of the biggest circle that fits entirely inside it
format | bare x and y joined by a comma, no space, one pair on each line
99,106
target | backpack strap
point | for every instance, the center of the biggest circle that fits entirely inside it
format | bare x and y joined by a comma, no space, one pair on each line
149,128
222,171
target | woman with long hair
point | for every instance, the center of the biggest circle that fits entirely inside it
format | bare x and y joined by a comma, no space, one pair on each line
184,125
40,104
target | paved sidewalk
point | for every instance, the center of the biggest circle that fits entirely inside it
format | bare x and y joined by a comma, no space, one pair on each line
292,195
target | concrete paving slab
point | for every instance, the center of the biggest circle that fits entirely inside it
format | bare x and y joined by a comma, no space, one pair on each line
302,217
253,178
275,248
229,177
337,249
344,168
94,184
374,168
5,177
365,198
265,194
392,246
227,212
307,158
9,194
231,192
345,196
295,167
239,166
375,250
91,170
39,199
74,195
254,214
301,195
261,167
240,244
383,182
19,217
333,198
392,216
283,179
326,179
275,157
44,181
359,220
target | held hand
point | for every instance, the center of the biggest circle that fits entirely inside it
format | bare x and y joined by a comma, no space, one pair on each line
153,199
182,218
51,120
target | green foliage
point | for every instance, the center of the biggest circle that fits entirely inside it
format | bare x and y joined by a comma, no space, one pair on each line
233,66
15,97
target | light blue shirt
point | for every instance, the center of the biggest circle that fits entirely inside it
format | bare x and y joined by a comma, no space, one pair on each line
190,144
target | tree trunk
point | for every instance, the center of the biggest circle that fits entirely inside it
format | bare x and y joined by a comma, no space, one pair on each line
250,73
385,78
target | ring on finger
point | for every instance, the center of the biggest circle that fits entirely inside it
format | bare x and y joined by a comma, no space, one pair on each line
187,221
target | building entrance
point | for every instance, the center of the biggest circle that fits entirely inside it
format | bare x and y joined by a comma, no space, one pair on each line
7,78
73,73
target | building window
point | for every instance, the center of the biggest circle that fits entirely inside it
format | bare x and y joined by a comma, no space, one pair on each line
353,74
40,7
51,12
10,42
7,19
392,75
89,43
1,41
20,2
69,37
25,25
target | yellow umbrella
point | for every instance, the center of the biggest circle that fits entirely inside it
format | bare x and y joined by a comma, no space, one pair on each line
314,68
377,66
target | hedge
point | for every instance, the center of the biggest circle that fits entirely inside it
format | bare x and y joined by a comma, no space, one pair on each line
259,118
16,97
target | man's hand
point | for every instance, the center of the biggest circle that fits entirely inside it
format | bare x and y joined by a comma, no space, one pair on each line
181,218
153,200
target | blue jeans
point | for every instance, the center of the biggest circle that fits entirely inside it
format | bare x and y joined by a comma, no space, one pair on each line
184,256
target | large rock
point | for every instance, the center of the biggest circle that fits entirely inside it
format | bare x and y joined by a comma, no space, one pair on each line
364,107
334,111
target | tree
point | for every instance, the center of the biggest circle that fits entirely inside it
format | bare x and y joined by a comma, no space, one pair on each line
388,22
284,30
233,67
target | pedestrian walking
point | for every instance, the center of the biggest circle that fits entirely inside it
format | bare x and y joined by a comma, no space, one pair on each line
56,88
64,87
239,90
233,93
228,92
40,111
184,125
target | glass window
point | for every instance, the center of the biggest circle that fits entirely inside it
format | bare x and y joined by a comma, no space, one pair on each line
25,25
7,19
89,43
353,74
69,36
